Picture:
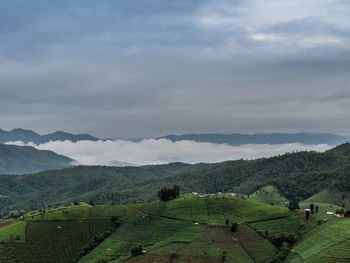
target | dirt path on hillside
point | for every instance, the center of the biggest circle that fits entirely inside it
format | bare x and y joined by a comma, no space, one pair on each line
135,210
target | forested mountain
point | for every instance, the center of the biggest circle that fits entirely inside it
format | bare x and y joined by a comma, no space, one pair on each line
25,159
272,138
295,175
31,136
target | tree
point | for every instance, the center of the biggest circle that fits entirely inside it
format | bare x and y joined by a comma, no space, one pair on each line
347,213
307,215
316,209
116,221
223,256
234,227
293,205
166,194
312,208
135,251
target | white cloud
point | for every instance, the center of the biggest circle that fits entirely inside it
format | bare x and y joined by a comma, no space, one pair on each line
152,151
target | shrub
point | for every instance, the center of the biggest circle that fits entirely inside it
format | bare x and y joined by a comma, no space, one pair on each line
234,227
136,251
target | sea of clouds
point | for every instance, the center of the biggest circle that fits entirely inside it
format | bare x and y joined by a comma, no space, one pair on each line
161,151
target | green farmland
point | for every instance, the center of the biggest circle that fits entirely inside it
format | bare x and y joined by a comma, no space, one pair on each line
187,229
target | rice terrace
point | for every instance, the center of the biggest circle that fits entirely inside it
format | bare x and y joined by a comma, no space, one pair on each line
190,228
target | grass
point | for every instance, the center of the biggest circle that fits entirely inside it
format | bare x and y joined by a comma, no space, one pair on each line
14,232
167,230
326,243
322,207
258,248
107,211
251,210
322,197
270,195
109,250
61,213
289,226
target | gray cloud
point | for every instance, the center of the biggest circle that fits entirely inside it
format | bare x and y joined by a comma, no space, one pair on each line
138,69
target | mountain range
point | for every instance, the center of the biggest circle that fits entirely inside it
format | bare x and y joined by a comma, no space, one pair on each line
237,139
25,159
27,136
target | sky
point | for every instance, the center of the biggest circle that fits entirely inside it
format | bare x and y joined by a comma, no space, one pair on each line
128,68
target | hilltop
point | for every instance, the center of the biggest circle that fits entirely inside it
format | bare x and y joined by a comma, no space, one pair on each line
25,159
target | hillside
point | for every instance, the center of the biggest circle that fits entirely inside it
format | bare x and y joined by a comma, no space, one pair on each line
189,229
237,139
296,176
270,195
101,183
27,136
25,159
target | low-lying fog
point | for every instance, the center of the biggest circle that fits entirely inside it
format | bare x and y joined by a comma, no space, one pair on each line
153,151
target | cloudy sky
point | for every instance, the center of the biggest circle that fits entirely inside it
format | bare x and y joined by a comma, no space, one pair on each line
129,68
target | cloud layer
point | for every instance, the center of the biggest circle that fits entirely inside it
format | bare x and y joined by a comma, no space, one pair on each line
152,151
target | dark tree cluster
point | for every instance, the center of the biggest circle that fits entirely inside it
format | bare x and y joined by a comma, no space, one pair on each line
94,242
166,194
136,251
293,205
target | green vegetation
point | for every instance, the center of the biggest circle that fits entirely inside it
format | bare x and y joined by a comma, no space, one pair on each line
322,197
270,195
296,176
219,228
327,243
13,232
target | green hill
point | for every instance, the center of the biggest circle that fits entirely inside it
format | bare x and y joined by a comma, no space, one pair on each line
25,159
322,197
188,229
270,195
324,200
193,228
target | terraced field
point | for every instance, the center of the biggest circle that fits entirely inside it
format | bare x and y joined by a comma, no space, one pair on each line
270,195
188,229
327,243
54,236
191,229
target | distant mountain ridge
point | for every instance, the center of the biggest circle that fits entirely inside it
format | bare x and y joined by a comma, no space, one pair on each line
25,159
237,139
27,136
